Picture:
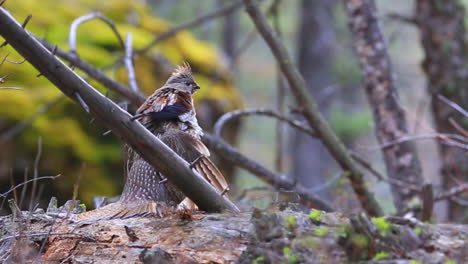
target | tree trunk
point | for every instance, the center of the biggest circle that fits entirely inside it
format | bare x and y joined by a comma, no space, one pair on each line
401,159
443,37
310,159
230,33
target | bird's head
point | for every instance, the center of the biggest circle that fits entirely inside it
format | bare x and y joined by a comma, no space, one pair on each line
182,79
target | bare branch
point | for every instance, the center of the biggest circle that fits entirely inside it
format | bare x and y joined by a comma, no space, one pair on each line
402,18
77,22
129,64
26,182
453,105
311,113
156,153
278,181
134,97
218,127
197,21
454,191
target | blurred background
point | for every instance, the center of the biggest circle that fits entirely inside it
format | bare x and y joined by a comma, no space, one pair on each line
235,69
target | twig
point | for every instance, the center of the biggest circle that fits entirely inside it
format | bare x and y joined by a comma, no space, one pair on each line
218,127
23,191
454,191
453,105
77,22
146,144
459,128
278,181
311,112
439,136
129,64
135,97
3,78
427,194
15,130
402,18
2,195
197,21
35,173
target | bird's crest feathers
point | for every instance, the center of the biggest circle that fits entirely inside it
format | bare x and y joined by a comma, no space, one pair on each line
181,69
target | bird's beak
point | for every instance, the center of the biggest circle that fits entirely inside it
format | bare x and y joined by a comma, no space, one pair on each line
196,87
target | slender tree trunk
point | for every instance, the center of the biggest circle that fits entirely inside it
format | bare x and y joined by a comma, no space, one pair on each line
310,160
401,159
230,33
443,37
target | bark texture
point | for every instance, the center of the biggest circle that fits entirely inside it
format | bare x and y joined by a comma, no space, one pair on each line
401,160
443,36
310,161
253,236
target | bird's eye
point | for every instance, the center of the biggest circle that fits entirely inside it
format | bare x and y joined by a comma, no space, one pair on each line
187,83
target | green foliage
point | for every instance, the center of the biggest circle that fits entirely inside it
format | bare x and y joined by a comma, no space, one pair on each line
70,137
450,262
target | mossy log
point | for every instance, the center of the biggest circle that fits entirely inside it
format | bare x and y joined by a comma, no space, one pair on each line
252,236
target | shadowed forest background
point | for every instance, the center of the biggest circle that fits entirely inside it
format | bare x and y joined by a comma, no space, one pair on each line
236,70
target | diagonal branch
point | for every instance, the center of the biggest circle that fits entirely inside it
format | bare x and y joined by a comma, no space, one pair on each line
134,134
218,127
278,181
310,110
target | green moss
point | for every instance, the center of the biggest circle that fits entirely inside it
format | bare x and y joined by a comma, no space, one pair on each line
290,257
258,260
380,255
417,230
359,240
315,215
321,231
290,222
382,224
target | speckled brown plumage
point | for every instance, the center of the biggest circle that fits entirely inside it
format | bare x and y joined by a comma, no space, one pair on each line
168,113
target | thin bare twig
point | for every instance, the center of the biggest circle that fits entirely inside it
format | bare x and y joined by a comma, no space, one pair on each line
454,191
129,64
218,127
278,181
96,15
35,173
2,195
453,105
136,98
457,127
197,21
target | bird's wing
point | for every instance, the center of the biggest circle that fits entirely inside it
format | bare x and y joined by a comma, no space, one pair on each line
191,149
166,103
